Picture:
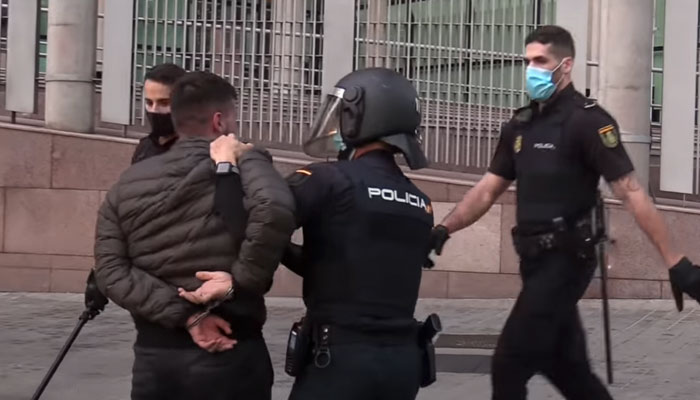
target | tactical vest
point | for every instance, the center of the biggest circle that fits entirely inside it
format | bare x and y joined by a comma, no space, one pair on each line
552,179
364,257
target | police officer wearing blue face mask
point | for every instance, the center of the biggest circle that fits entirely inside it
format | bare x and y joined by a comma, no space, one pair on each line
557,148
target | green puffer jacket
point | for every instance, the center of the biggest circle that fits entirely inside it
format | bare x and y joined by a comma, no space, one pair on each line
157,227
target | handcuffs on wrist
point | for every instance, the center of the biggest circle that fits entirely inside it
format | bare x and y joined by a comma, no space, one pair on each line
210,307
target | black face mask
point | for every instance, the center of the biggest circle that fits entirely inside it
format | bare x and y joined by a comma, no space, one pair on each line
161,124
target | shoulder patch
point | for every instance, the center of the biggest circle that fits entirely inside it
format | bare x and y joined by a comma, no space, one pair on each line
609,136
518,144
298,177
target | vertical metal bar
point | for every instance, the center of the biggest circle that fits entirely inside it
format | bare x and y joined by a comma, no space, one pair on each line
679,98
267,96
574,16
449,103
470,80
165,29
502,59
337,61
386,37
213,53
245,94
358,34
370,45
460,85
385,29
203,35
409,45
375,36
175,23
224,39
185,32
428,80
22,39
514,56
292,68
438,83
482,31
319,19
194,38
302,76
401,43
134,61
418,81
155,33
251,68
281,50
491,105
3,40
261,67
117,58
234,17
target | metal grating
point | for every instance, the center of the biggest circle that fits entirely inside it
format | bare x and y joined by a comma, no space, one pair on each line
269,50
465,58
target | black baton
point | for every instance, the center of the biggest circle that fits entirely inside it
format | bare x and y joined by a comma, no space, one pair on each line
82,320
602,239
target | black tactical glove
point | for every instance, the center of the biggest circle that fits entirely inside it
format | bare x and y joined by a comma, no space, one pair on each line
685,278
95,301
438,237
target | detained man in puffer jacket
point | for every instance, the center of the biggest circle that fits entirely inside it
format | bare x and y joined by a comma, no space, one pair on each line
157,227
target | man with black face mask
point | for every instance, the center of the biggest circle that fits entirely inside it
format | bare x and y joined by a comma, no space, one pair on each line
156,92
157,87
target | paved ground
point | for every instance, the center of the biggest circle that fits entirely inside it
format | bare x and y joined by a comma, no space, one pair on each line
656,349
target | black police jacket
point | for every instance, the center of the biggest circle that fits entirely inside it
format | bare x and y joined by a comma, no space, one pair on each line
366,228
557,153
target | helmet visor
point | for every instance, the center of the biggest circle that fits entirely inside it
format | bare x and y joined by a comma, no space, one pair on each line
325,140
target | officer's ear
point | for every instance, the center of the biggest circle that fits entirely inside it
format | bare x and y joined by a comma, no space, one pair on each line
567,65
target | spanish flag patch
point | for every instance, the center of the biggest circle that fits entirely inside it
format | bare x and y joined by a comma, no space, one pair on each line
609,137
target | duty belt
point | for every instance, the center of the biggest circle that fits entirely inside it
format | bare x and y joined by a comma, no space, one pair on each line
335,334
561,235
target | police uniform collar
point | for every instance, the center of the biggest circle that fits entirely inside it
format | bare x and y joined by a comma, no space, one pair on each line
379,157
378,154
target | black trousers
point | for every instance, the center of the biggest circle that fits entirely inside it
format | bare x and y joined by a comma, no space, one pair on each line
544,334
245,373
363,371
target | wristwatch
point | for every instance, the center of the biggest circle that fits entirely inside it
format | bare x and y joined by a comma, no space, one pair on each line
226,168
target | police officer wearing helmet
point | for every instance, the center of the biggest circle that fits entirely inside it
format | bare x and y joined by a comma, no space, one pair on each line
557,148
366,228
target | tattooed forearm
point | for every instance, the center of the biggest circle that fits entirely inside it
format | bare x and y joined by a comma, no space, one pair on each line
630,191
625,186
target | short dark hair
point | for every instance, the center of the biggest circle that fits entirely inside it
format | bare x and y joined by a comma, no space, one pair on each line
197,95
561,40
167,74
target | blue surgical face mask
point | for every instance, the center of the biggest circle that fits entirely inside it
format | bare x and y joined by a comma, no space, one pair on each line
539,83
338,141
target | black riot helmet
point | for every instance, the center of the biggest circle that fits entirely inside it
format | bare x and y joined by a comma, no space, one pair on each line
368,105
